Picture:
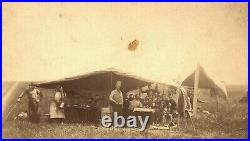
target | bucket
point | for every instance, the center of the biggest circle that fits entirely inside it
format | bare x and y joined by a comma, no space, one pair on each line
106,111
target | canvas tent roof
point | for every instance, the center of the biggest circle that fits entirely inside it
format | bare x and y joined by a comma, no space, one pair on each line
103,80
206,82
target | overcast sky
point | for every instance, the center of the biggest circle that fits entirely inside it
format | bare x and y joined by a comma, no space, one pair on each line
55,40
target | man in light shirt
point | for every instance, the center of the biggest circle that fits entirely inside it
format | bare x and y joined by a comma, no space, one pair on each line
116,98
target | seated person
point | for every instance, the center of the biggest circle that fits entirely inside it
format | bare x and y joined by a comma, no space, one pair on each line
146,101
135,103
127,100
91,103
167,118
130,98
91,110
173,109
188,108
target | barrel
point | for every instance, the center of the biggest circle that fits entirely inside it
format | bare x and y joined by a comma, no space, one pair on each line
106,111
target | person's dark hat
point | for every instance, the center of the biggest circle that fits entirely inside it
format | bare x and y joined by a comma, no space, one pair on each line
58,86
31,84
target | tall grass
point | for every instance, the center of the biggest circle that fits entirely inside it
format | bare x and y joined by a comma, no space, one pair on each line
226,121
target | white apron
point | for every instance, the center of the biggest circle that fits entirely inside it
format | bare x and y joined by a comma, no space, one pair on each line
55,111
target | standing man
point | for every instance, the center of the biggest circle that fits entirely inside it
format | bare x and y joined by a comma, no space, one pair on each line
150,91
156,105
34,96
126,104
157,91
148,102
116,98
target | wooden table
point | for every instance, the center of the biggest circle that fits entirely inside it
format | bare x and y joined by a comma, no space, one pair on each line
81,114
145,112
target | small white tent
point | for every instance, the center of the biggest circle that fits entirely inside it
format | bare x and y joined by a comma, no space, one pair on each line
206,82
200,79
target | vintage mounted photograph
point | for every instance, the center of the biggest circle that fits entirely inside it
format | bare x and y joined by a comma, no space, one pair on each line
124,70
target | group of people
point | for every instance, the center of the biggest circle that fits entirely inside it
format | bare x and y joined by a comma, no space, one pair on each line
58,105
34,96
164,105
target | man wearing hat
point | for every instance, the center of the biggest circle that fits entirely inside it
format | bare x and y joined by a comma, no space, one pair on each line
116,98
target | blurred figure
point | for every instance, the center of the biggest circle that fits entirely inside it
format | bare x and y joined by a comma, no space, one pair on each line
166,117
135,103
148,101
92,110
172,104
182,101
57,106
157,106
188,108
190,94
34,97
149,91
156,91
127,103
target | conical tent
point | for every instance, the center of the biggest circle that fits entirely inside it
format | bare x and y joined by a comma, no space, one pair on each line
206,82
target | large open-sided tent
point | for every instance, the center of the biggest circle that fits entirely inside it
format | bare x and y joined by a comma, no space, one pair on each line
103,80
95,83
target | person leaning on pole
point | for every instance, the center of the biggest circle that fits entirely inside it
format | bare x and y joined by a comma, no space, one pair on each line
116,98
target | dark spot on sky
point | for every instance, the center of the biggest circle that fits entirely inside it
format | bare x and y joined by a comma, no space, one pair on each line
133,45
74,40
60,15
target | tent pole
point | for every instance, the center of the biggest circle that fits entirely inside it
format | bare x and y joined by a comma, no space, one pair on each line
111,80
196,85
217,103
217,106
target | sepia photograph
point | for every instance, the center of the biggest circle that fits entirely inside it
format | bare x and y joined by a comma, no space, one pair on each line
125,70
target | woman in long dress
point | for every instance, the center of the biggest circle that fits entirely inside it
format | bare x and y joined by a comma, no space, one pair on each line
57,105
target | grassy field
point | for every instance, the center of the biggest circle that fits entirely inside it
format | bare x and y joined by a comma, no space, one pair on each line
226,122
